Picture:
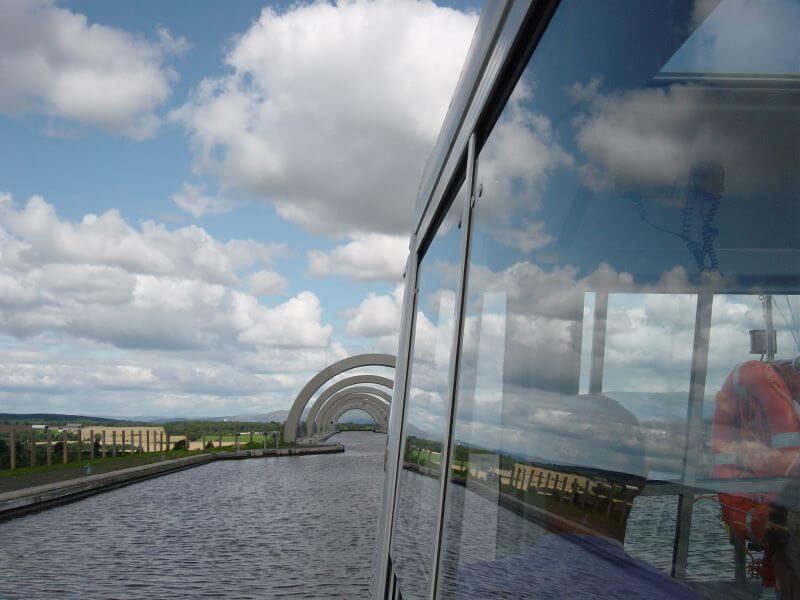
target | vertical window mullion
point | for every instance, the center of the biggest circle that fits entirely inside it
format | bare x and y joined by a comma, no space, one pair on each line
454,359
405,352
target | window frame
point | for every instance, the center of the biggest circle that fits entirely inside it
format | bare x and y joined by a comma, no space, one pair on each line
396,450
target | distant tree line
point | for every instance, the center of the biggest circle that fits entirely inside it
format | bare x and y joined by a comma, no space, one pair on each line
355,426
58,420
197,429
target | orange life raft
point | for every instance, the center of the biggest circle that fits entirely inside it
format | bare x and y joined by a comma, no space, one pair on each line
755,433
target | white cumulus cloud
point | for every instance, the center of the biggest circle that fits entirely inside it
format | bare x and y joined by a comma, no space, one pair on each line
193,200
330,110
367,257
56,63
377,315
142,288
268,283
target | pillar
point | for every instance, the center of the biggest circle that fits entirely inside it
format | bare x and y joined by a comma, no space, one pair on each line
13,450
114,443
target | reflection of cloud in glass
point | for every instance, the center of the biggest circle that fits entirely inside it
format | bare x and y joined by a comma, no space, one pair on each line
523,332
741,36
646,138
514,169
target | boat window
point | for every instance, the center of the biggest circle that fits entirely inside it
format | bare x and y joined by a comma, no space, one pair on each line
424,428
626,417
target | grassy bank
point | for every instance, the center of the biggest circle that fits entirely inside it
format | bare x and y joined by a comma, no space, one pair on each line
43,474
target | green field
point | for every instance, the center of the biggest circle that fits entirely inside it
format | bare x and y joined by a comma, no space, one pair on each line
243,439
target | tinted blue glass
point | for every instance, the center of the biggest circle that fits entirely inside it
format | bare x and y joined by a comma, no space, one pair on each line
624,427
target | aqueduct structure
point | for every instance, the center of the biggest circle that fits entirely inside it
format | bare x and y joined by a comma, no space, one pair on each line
368,392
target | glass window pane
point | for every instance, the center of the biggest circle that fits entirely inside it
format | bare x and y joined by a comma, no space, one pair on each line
626,419
424,429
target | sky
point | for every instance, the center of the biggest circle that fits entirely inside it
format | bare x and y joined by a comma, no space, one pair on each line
201,208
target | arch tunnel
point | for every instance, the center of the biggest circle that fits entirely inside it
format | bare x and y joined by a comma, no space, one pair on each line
348,391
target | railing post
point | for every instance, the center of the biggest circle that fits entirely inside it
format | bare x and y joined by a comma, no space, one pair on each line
123,441
220,440
114,443
80,433
13,450
161,441
141,448
694,432
169,446
203,441
49,448
33,447
237,441
91,444
103,443
63,446
251,435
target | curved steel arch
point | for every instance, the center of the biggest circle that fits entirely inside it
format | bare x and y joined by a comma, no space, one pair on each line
381,420
370,404
338,386
346,364
361,399
324,399
355,392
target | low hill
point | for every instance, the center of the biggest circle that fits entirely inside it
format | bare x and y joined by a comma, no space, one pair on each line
60,419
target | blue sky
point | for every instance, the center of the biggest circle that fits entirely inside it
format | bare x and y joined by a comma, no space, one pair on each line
123,106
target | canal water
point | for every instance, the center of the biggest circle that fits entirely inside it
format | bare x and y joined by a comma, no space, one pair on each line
294,527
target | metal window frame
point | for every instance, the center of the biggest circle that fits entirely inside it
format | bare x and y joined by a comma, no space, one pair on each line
455,356
396,445
384,580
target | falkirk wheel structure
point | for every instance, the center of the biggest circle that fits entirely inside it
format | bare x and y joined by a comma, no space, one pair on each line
367,392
